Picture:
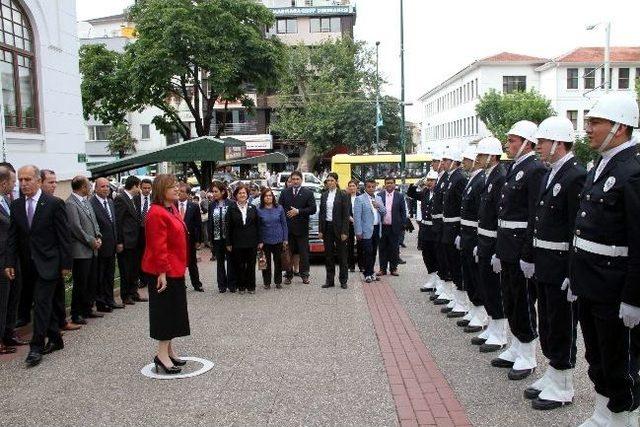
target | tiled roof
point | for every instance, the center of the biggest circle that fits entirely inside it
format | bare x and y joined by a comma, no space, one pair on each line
512,57
596,54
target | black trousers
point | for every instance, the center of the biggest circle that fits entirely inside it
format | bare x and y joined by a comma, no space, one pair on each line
25,301
129,272
454,265
354,251
389,249
557,321
369,251
443,265
194,274
612,351
335,247
84,275
491,290
519,299
105,278
429,256
225,275
45,322
299,245
275,252
9,294
244,264
60,303
471,277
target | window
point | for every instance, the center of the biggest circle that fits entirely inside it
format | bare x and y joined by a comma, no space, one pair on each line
589,78
573,116
602,77
584,119
623,78
572,78
99,132
324,25
287,26
478,88
637,77
144,132
17,68
514,84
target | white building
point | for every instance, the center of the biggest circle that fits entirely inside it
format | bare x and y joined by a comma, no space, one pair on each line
572,82
41,86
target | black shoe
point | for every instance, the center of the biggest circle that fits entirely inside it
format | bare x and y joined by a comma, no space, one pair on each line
278,286
501,363
490,348
222,291
531,393
233,291
267,286
456,314
352,270
79,320
446,309
478,341
14,341
401,261
50,347
327,286
138,298
21,322
402,245
433,297
178,362
172,370
33,358
92,315
128,301
116,306
462,323
344,286
104,308
198,288
472,329
520,374
440,301
427,289
251,292
547,405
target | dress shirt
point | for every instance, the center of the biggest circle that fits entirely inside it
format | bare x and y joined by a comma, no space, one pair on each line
488,172
608,155
243,211
82,199
182,208
128,194
331,198
555,167
353,201
388,203
376,214
473,175
523,157
34,200
105,204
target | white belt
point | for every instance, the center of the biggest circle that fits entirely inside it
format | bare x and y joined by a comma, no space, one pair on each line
599,248
437,216
425,222
469,223
452,219
512,224
487,233
553,246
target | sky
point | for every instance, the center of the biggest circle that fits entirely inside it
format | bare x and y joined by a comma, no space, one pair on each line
442,37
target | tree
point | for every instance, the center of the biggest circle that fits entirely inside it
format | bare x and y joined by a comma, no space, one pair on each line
326,97
120,140
188,54
583,152
499,111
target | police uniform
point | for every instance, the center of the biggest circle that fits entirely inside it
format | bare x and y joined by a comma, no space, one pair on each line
605,271
427,236
469,206
436,216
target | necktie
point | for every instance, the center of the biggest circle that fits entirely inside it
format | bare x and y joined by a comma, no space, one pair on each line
5,205
106,208
182,210
295,191
30,211
145,207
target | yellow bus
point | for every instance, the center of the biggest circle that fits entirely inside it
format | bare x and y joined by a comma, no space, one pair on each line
378,166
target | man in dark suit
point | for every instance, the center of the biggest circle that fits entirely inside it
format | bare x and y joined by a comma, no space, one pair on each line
335,209
393,223
128,233
299,203
105,211
38,240
190,213
142,202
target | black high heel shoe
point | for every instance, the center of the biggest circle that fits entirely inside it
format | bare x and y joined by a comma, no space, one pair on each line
172,370
178,362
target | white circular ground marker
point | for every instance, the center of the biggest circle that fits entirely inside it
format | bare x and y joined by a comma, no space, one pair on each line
150,370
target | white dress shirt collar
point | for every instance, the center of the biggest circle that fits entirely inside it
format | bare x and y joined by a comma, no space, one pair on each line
523,157
609,154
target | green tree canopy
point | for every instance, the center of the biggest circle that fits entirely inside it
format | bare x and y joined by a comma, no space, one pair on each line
327,98
121,141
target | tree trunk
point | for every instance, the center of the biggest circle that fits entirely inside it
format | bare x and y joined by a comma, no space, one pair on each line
308,159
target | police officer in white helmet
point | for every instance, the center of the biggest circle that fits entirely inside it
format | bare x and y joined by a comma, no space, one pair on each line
605,261
426,236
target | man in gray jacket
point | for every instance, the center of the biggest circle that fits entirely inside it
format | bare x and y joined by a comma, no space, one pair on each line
85,242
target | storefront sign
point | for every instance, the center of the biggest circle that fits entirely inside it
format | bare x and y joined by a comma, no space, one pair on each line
313,11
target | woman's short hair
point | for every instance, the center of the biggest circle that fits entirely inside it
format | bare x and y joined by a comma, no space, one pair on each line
159,187
237,190
354,182
264,192
221,187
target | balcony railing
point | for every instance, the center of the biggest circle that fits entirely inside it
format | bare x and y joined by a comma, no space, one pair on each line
246,128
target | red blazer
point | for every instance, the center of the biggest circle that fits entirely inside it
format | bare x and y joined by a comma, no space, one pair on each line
166,237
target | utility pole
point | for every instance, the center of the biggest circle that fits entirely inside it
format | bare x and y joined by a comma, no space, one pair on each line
403,159
378,111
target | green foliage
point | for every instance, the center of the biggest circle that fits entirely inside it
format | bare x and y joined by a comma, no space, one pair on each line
121,141
327,98
583,152
499,111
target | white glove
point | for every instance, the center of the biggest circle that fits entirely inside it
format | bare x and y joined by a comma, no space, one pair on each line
566,286
457,242
495,264
475,253
630,315
528,269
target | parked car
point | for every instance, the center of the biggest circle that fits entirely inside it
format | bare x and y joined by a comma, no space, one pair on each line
308,180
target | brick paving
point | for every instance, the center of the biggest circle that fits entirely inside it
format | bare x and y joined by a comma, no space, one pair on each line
420,391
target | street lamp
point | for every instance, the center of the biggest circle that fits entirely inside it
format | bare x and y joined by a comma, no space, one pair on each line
403,156
607,70
378,112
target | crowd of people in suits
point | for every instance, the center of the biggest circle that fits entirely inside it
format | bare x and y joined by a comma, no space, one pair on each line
522,255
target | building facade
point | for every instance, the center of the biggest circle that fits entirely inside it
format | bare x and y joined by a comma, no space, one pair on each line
41,87
572,82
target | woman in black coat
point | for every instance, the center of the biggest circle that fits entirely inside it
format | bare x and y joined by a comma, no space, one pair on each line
242,239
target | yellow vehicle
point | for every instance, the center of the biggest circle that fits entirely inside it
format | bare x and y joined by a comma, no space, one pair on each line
378,166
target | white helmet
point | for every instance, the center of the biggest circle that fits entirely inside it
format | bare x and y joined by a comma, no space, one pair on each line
489,145
524,129
432,174
556,128
469,153
452,154
616,107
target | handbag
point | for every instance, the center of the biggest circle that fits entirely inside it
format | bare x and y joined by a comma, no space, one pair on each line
262,260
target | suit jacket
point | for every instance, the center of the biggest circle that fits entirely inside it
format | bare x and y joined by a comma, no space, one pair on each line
83,226
241,235
193,221
451,201
398,211
427,232
363,215
4,235
341,212
128,220
108,226
437,204
166,243
220,224
46,243
305,202
488,211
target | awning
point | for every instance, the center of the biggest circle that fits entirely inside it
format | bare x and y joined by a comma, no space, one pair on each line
264,158
204,148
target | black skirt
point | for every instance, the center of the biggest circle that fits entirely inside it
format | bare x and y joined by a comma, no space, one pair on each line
168,315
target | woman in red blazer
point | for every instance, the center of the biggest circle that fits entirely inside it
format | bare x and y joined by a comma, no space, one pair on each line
164,263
